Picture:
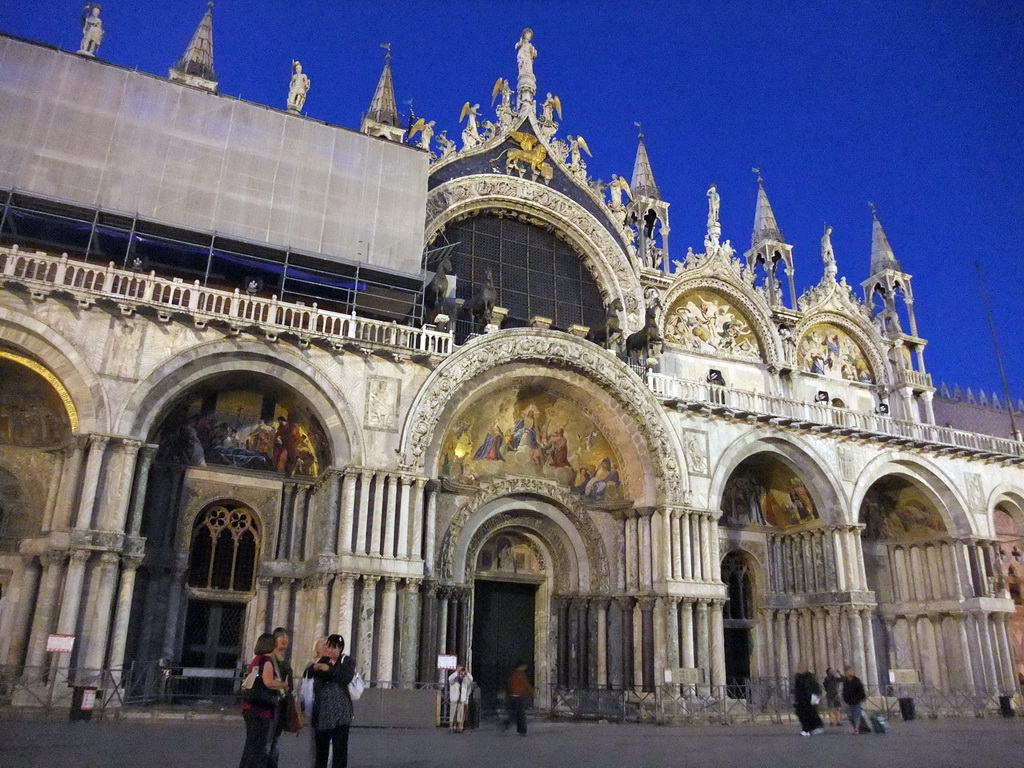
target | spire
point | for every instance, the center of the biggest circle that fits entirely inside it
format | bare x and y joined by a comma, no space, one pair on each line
196,65
643,177
882,257
382,118
765,226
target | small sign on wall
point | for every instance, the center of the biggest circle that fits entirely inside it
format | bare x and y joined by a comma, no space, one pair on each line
60,643
447,661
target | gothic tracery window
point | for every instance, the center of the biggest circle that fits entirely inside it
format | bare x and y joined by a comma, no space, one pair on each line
225,541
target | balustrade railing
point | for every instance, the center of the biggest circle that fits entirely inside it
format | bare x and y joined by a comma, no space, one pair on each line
829,418
42,274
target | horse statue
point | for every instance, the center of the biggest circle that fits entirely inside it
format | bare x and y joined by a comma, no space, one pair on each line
481,306
435,293
647,340
608,335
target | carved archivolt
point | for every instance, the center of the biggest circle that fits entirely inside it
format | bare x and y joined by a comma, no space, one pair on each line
866,337
751,304
616,274
557,350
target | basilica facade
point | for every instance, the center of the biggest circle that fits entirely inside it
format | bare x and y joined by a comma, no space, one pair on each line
457,398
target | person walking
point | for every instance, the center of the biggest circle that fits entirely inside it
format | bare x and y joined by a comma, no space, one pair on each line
806,695
260,717
517,689
854,697
833,680
332,706
460,686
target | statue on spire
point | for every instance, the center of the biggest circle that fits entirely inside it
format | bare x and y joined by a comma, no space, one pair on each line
92,30
714,203
298,89
828,255
526,87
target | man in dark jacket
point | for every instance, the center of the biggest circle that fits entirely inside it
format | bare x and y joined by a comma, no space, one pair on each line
854,696
806,694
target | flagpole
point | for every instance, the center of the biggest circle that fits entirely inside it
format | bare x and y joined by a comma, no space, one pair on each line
999,357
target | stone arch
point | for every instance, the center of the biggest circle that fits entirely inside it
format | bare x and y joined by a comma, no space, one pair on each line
151,397
937,488
614,271
749,303
814,469
863,334
439,396
65,362
1011,498
581,563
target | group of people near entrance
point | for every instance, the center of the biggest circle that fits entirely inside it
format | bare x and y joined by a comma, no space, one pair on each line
324,691
838,690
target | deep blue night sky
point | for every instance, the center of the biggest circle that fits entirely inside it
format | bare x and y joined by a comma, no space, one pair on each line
913,105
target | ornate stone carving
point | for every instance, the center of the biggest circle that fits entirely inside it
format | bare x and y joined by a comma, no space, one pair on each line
861,331
382,396
616,272
551,348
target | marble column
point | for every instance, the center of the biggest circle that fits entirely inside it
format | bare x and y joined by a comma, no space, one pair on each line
638,646
704,644
671,604
717,645
430,534
98,633
142,467
676,541
90,481
46,601
1005,668
871,657
964,656
385,654
602,641
416,520
686,634
409,633
781,646
367,612
363,514
857,640
23,598
630,538
646,549
404,509
842,580
822,657
795,650
380,479
346,513
443,595
123,611
71,476
390,513
685,545
592,638
707,572
663,545
321,623
67,621
117,490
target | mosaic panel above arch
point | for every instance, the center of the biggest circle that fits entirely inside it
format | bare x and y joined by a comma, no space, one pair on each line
704,321
765,491
896,509
36,410
532,430
828,350
244,422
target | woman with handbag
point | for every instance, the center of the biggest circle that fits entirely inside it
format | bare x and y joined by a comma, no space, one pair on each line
332,705
261,693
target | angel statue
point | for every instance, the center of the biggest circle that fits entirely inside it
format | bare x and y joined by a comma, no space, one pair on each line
298,89
551,105
92,29
616,187
504,110
426,130
576,165
526,87
445,145
471,133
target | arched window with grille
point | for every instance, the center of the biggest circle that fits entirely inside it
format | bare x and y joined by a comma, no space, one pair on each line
736,575
225,544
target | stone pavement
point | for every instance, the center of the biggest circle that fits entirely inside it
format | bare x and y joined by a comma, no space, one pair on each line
197,744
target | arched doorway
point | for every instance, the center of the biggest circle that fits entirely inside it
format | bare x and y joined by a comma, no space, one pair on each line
739,621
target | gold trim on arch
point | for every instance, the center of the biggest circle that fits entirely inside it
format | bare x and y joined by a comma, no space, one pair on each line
54,382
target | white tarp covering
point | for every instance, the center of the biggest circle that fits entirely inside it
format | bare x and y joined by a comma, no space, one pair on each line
88,132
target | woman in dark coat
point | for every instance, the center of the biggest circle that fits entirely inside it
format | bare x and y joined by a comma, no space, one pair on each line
260,720
805,686
332,707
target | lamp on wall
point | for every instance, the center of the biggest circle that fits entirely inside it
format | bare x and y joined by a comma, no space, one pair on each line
715,377
882,409
821,397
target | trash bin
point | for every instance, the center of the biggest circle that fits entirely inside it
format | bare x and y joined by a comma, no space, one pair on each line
1006,706
907,710
83,699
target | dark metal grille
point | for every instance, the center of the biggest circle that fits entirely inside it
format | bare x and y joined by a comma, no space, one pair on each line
534,272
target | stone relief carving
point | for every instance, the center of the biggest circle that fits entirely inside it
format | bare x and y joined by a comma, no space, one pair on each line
551,348
975,494
695,446
847,465
382,403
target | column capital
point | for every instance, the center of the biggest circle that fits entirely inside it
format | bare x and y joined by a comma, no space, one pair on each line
80,556
53,558
647,603
109,558
625,602
98,442
413,585
370,578
131,562
391,583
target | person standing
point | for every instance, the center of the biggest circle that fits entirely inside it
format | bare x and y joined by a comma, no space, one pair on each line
854,697
261,720
517,689
806,694
284,673
833,680
460,685
332,706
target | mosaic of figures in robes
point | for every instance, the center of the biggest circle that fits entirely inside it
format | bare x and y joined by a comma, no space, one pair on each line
509,553
31,412
702,321
244,428
535,432
896,509
764,491
829,351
